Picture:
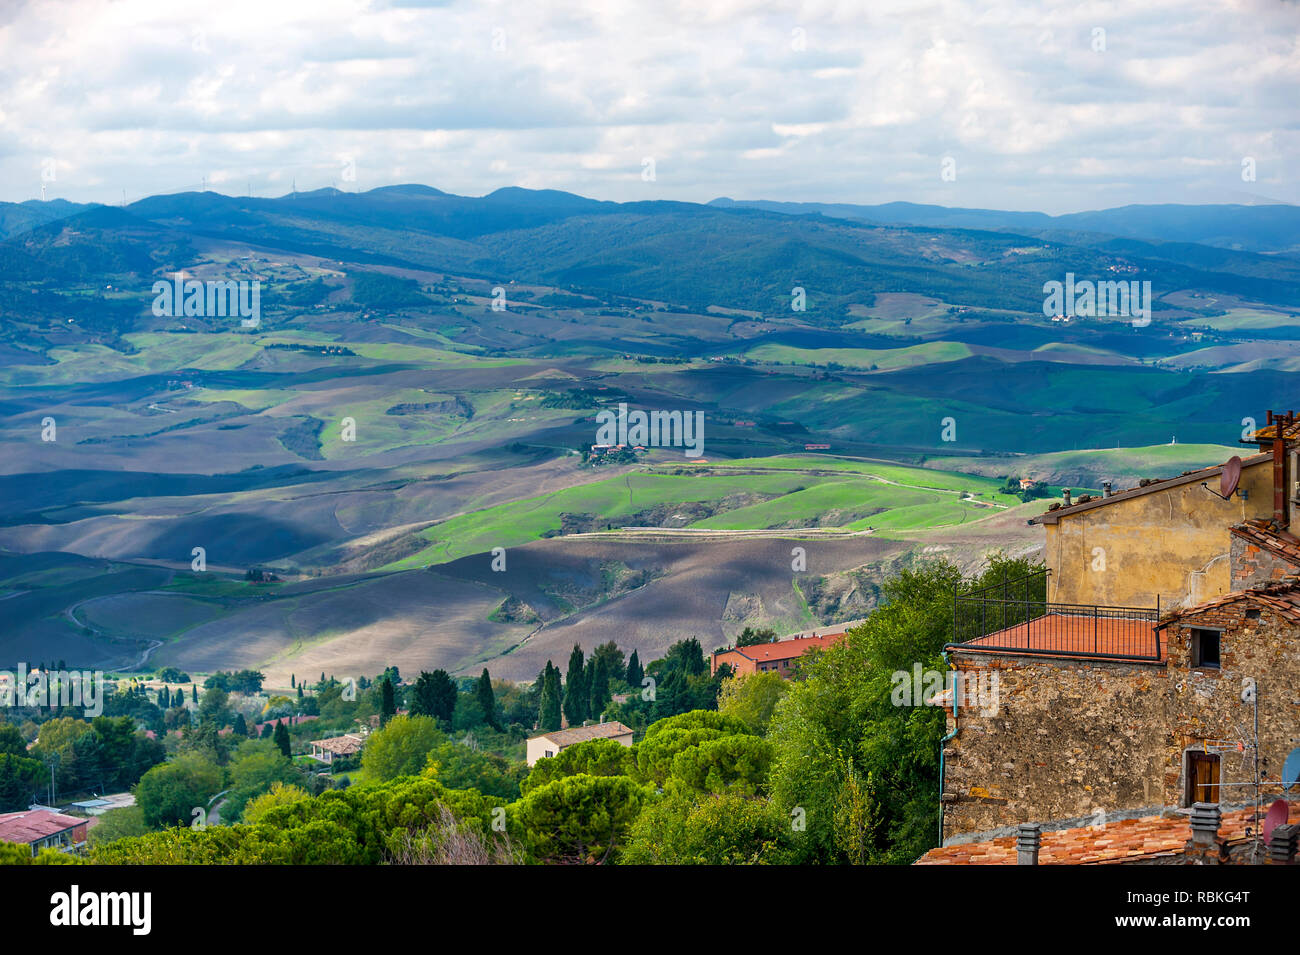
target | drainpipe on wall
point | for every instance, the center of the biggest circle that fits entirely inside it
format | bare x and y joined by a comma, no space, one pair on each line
943,744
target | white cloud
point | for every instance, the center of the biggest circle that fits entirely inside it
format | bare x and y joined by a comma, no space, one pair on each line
795,100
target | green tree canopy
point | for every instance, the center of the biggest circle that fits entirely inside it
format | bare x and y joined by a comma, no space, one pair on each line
579,819
844,750
595,757
401,748
168,794
434,695
717,830
752,698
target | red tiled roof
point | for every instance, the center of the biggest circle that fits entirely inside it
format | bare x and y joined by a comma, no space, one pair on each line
291,720
787,649
1269,432
1124,840
1064,635
1282,596
1265,536
34,824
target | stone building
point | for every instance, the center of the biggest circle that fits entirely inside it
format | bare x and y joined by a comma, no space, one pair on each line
1155,664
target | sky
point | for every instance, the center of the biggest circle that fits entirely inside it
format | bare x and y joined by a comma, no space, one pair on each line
1007,104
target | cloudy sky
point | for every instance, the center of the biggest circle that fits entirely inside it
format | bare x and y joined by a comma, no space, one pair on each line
1058,106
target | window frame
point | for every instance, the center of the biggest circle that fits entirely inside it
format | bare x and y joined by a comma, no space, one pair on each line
1196,648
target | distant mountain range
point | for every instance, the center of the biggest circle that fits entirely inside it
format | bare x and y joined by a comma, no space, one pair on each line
1262,228
689,255
1268,228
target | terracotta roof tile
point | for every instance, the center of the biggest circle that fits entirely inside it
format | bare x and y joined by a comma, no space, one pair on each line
1266,536
1165,834
33,824
1282,596
580,734
1072,636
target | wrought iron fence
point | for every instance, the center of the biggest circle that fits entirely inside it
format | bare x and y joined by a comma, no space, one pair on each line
1014,615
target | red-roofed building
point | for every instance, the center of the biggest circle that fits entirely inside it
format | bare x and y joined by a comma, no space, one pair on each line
782,656
43,829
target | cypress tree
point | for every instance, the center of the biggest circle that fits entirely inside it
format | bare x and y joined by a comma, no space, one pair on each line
300,692
387,704
635,674
241,725
575,689
487,699
281,738
194,693
292,682
549,715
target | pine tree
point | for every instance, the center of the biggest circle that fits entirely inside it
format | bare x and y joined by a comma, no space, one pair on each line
549,711
281,739
487,699
575,689
387,704
635,674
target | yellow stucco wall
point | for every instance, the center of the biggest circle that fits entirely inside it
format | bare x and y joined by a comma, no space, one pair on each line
1172,542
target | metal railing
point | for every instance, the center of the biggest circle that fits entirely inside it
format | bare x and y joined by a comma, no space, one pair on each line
1014,615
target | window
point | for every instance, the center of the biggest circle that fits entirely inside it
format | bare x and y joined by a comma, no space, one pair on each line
1205,649
1202,777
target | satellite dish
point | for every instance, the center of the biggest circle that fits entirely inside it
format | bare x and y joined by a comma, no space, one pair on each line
1291,770
1277,815
1230,477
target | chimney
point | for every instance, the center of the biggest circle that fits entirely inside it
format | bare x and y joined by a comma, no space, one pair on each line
1204,848
1281,845
1066,490
1205,823
1279,423
1105,489
1028,839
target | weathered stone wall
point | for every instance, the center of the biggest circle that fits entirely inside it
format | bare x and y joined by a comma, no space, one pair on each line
1072,738
1207,704
1068,739
1252,566
1172,542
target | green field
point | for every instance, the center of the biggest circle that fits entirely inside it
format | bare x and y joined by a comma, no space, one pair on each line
792,492
884,359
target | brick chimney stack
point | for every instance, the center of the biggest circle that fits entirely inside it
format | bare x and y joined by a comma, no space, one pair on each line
1280,422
